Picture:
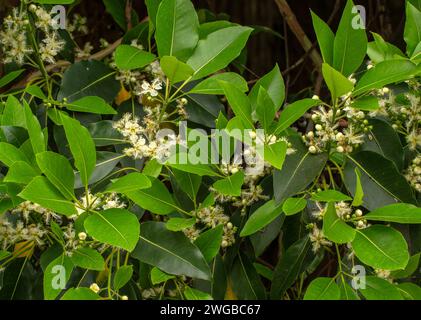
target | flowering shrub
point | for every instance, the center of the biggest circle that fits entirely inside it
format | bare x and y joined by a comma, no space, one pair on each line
152,170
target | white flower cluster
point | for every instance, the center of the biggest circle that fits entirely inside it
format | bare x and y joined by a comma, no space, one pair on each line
84,53
99,201
72,242
212,217
14,39
78,24
27,208
12,233
52,43
343,130
344,211
404,112
413,174
143,139
317,238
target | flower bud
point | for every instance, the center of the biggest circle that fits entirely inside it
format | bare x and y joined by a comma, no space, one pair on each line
82,236
94,287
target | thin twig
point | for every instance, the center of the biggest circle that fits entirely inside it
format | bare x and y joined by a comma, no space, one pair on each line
62,64
298,31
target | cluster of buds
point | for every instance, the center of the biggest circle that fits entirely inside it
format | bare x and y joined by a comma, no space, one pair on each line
12,233
343,130
404,112
413,174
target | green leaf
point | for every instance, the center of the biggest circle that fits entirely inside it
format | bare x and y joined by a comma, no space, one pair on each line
80,294
275,153
294,112
212,85
217,50
330,196
20,172
179,224
399,213
175,70
293,206
82,147
381,247
359,192
177,29
231,185
325,38
347,293
4,254
128,57
117,10
274,84
338,84
350,45
261,218
412,34
194,294
105,163
170,251
59,171
384,140
13,113
409,291
130,182
291,264
88,258
323,289
36,135
41,191
91,104
384,73
245,280
36,92
88,78
122,276
380,289
334,228
104,134
410,268
265,109
10,77
380,50
239,103
117,227
188,182
382,182
209,242
158,276
56,276
298,171
9,154
156,199
368,103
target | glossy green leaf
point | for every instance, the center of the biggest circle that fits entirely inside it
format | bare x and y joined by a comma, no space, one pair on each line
59,171
217,50
88,258
175,70
117,227
56,276
212,86
330,196
209,242
80,294
399,213
381,247
380,289
334,228
81,146
323,289
131,182
122,276
91,104
128,57
261,218
337,83
194,294
171,252
179,224
325,38
41,191
293,206
231,185
177,29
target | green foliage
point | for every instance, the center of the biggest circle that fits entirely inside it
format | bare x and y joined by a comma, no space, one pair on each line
288,198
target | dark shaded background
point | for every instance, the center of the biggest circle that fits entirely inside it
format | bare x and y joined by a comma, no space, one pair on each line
383,16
